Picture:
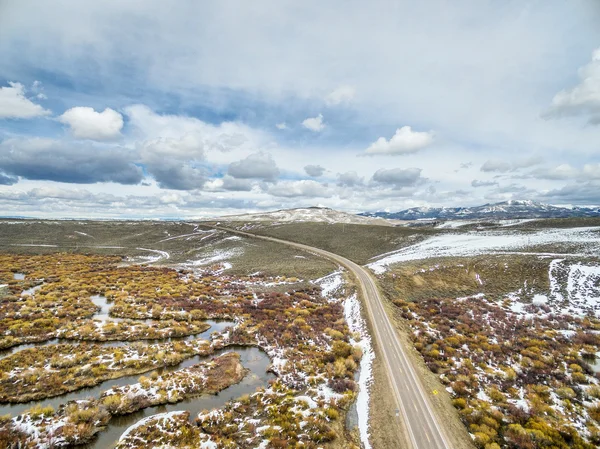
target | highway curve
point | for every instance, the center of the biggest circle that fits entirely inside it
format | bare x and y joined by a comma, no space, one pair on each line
423,427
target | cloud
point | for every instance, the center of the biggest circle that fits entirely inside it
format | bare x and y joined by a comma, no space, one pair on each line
496,165
314,170
8,180
305,188
174,163
349,179
14,103
314,123
398,177
405,141
563,171
229,183
237,185
341,95
477,183
178,176
281,125
504,166
582,99
85,123
224,137
255,166
587,193
59,193
52,160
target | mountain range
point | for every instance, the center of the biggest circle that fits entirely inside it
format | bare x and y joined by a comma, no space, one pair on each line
505,210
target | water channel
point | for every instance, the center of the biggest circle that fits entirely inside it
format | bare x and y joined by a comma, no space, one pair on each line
253,359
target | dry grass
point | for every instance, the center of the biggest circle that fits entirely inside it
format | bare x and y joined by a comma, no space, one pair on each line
442,402
358,243
458,277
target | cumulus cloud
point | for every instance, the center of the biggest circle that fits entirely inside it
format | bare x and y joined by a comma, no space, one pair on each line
48,159
224,138
305,188
582,99
229,183
314,170
563,171
566,171
174,163
349,179
255,166
398,177
496,165
477,183
314,123
586,193
341,95
14,103
281,125
504,165
85,123
404,141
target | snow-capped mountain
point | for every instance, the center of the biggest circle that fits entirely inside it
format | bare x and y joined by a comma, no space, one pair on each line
506,210
308,214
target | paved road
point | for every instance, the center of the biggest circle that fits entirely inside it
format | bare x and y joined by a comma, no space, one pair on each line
424,430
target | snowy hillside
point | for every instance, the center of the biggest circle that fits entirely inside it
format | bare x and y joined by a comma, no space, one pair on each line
309,214
505,210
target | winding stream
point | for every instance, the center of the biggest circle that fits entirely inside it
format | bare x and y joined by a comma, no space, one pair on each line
103,315
253,359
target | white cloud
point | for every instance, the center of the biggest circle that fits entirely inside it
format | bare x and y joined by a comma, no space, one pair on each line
14,103
314,123
496,165
281,125
399,177
349,179
505,165
563,171
477,183
172,162
255,166
314,170
584,98
405,141
223,138
304,188
341,95
85,123
589,172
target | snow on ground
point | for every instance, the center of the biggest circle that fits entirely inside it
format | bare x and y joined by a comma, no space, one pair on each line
475,243
153,259
143,422
216,256
453,224
311,214
330,284
357,324
193,234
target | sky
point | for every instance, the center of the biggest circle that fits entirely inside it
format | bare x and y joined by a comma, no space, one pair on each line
189,109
